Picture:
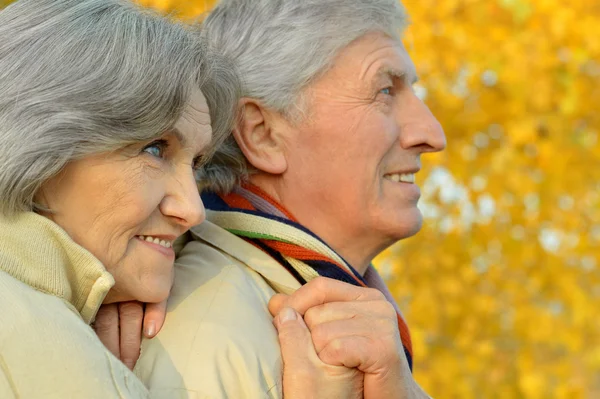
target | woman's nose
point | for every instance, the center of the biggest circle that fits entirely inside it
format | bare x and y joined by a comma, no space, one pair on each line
182,202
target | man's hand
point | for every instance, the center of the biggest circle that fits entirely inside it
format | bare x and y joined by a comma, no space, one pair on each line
355,327
304,374
119,327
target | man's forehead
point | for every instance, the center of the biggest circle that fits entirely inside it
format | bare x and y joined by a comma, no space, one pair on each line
386,57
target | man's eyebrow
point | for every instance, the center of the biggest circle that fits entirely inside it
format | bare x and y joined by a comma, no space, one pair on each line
409,74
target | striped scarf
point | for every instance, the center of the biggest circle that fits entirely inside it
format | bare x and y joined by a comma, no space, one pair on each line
250,213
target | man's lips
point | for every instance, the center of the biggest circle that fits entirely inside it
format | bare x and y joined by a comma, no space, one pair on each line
400,177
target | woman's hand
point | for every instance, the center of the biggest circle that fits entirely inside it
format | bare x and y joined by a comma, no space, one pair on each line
119,327
304,374
355,327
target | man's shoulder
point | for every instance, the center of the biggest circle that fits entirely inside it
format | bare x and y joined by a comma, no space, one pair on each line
218,339
46,350
213,249
203,272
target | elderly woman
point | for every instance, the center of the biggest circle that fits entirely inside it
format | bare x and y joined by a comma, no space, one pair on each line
105,117
317,179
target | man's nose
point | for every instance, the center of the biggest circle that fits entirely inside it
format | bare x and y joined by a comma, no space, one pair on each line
420,128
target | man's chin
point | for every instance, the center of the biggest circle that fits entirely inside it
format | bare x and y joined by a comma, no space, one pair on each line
407,225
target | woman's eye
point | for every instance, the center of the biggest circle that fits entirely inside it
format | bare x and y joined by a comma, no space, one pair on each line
156,149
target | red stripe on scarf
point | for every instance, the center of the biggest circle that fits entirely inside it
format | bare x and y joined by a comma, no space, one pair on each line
295,251
237,201
405,335
301,253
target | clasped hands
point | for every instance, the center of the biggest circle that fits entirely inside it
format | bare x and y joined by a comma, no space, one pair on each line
337,341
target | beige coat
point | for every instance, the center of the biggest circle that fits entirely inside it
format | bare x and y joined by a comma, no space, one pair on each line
218,340
50,291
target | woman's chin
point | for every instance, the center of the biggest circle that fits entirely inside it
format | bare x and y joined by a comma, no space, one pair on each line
153,290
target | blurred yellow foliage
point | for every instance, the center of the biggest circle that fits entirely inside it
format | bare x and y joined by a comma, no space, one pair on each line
502,286
185,9
513,206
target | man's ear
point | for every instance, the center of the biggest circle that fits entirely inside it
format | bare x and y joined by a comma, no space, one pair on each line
258,137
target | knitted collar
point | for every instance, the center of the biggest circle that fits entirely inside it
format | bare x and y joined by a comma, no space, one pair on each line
250,213
37,252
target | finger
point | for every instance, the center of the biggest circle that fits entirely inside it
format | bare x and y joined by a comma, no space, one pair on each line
323,290
304,375
335,311
348,351
277,303
294,336
131,315
154,318
368,345
297,349
106,326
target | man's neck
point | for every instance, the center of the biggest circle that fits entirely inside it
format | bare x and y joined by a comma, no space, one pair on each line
358,250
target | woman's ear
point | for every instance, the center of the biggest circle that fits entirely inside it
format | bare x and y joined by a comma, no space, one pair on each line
258,137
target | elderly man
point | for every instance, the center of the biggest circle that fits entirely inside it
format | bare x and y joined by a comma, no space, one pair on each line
317,179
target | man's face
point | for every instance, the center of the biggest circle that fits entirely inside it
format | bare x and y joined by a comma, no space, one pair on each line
352,162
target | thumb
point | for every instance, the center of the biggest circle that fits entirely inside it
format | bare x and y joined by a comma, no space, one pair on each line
304,375
297,348
277,303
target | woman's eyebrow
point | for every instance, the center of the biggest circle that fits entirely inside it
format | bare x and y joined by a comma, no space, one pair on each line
183,141
203,147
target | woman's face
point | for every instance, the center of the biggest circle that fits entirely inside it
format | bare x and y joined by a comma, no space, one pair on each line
127,207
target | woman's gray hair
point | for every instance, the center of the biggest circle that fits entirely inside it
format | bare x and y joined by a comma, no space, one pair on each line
82,77
279,47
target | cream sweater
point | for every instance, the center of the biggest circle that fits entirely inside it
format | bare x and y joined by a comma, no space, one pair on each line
50,291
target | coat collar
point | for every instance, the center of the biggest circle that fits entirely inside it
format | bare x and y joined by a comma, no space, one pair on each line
37,252
277,276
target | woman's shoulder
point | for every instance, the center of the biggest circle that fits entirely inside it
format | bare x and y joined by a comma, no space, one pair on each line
43,330
24,307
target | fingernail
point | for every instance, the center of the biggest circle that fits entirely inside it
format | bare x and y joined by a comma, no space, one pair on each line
150,329
287,314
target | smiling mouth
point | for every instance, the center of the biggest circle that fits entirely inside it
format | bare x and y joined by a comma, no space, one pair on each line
401,177
155,240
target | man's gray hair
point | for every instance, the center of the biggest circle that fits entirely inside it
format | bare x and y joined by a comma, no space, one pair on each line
280,47
82,77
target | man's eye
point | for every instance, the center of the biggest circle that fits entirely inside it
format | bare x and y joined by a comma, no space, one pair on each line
156,148
199,163
387,91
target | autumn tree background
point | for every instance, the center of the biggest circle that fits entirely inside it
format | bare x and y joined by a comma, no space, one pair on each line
502,287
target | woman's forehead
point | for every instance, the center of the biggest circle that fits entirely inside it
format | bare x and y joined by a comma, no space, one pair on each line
193,129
